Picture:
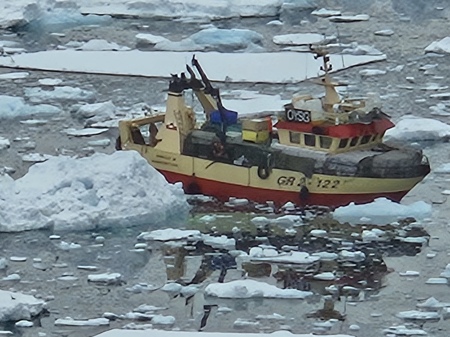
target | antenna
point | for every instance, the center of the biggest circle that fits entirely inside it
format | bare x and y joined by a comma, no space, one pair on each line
340,47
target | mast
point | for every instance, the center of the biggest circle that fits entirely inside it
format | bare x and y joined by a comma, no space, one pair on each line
331,96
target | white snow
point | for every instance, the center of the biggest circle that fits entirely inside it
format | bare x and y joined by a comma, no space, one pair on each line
382,211
88,193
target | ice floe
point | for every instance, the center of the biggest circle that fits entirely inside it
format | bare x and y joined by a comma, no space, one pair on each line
93,192
252,289
381,211
241,67
412,128
16,306
12,107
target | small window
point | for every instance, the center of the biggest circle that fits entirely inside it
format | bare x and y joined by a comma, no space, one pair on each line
365,139
294,137
354,141
325,142
343,143
310,140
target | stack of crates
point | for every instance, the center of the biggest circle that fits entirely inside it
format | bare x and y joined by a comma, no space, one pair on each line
256,130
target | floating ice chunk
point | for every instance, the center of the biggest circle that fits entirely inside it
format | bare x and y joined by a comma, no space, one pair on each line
50,81
163,320
168,234
143,38
262,252
251,289
24,324
106,278
12,107
77,194
14,75
323,12
12,277
320,233
260,221
402,330
64,93
100,142
102,110
3,263
357,256
208,218
382,211
326,256
372,72
292,257
231,39
16,306
349,18
439,46
100,44
326,276
219,241
4,143
409,273
418,315
84,132
288,220
36,157
273,317
384,32
241,323
78,322
436,280
299,39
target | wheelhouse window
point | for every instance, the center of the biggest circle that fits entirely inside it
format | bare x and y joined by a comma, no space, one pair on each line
310,140
365,139
294,137
354,141
343,143
325,142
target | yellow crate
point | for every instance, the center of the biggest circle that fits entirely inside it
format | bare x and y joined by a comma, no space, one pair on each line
255,124
255,136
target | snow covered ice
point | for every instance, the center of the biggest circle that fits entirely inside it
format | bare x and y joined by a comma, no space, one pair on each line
100,191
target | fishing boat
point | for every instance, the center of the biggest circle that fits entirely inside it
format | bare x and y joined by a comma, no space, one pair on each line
324,150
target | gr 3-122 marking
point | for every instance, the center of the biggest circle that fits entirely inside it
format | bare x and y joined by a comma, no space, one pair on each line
319,183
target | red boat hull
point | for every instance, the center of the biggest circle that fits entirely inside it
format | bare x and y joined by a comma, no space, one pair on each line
223,191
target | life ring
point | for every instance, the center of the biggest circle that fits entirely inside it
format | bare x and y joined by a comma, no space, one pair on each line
304,193
263,171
